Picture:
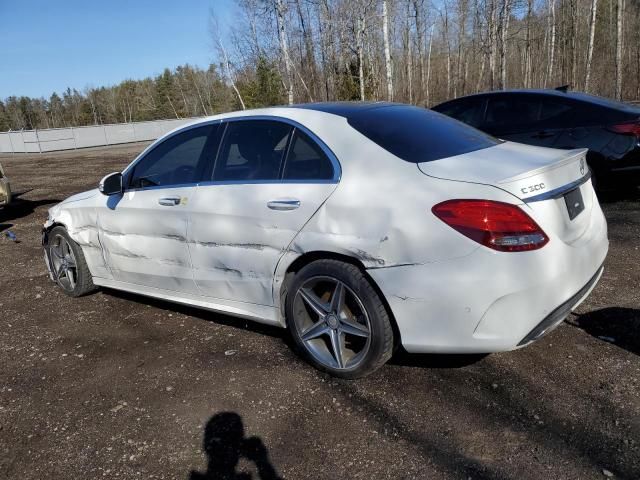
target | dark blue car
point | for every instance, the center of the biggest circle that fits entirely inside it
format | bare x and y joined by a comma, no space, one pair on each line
561,119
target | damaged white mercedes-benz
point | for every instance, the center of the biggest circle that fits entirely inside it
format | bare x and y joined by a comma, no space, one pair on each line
358,226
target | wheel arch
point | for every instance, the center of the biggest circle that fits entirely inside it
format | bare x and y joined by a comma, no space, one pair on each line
308,257
47,229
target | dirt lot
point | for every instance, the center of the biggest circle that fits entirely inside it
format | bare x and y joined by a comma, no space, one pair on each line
116,386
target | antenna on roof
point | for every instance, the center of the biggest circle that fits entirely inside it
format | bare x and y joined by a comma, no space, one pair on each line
563,88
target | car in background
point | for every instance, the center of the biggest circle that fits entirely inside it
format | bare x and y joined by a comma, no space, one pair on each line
561,119
5,189
359,227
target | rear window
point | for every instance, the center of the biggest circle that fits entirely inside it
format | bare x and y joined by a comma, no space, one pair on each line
418,135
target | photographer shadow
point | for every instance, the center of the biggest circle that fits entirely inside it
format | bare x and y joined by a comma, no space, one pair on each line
225,444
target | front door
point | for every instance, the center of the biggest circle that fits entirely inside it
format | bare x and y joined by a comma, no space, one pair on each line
269,180
143,232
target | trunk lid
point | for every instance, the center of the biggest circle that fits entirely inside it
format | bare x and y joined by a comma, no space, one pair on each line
552,183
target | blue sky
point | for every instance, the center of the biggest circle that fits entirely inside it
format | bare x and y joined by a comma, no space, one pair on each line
49,45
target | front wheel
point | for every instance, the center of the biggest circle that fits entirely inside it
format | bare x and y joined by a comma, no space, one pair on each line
68,266
337,319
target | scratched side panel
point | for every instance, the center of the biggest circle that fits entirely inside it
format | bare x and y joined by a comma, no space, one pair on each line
144,242
380,214
236,241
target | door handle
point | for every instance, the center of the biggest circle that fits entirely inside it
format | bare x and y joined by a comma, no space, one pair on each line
169,201
284,204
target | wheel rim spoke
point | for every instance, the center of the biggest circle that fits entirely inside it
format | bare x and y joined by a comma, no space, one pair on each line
354,328
64,263
60,271
311,299
319,328
336,346
55,250
71,261
337,298
71,277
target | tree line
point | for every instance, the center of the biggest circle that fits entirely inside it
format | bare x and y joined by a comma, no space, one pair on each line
413,51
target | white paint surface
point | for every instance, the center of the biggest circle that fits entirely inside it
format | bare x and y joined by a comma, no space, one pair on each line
224,250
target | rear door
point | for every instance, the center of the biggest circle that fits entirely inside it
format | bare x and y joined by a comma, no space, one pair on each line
269,178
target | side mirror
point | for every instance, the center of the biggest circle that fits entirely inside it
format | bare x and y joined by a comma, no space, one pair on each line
111,184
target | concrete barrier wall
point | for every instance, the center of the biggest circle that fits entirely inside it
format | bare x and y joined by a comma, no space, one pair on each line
50,140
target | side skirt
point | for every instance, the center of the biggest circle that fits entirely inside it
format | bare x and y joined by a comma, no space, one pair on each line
249,311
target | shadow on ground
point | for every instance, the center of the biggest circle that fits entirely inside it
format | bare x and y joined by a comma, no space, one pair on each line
617,325
432,360
20,208
225,444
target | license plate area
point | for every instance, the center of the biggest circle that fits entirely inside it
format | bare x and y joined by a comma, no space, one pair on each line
574,202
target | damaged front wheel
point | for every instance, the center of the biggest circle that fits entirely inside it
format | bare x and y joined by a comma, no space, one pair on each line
68,266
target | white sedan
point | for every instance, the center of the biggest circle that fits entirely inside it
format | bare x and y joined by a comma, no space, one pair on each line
358,226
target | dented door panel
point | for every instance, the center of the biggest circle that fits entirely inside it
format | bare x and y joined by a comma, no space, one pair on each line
144,241
236,239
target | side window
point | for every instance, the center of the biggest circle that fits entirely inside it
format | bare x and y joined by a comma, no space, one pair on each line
510,112
306,160
172,162
555,113
465,110
252,150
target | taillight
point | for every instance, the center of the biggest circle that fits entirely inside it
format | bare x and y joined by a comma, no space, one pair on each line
630,128
497,225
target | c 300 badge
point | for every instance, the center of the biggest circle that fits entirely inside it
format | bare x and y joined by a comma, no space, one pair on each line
533,188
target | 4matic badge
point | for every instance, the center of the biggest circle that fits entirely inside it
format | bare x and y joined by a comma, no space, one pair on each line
533,188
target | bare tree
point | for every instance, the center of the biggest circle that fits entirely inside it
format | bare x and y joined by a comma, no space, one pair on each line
592,30
281,11
620,12
215,32
504,28
552,43
429,67
387,50
409,53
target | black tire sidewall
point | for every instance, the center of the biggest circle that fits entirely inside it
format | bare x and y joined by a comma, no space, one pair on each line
381,339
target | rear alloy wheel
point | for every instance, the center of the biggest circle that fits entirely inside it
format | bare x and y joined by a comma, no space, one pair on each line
69,268
338,320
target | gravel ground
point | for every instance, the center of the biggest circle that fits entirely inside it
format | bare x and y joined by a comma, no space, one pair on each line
117,386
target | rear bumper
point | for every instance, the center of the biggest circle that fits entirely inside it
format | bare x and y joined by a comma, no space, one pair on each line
490,301
556,317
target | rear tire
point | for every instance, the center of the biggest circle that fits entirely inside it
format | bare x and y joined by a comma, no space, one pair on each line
337,320
68,265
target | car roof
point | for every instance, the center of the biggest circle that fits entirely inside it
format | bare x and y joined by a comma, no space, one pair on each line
319,110
580,96
345,109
